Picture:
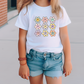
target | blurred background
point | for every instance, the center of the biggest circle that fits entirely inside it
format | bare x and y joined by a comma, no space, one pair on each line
5,7
9,64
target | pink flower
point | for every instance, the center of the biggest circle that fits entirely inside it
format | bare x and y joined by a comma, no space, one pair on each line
45,19
37,33
37,26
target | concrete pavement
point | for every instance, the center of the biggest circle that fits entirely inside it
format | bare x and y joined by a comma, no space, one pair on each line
9,64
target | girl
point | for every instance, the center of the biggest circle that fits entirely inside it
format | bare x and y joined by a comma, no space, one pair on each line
44,24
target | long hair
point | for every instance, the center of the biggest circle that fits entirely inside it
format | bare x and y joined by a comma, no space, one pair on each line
55,4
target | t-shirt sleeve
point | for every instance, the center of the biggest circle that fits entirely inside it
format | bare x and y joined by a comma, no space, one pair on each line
65,20
22,20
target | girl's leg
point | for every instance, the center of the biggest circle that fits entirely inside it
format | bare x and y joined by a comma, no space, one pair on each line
54,80
36,80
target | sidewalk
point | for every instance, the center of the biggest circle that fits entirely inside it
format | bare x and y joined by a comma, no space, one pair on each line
12,14
9,53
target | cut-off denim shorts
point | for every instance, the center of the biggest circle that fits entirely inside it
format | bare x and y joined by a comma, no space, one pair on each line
48,63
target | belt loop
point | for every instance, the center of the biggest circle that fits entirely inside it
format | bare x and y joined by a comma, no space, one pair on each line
35,54
31,52
53,54
50,54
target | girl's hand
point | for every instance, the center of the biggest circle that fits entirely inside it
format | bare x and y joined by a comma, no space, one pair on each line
24,71
67,68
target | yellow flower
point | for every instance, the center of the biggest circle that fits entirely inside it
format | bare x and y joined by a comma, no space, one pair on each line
45,33
37,19
52,26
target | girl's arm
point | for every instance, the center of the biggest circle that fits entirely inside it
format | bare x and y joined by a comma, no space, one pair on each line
66,43
23,70
66,49
22,44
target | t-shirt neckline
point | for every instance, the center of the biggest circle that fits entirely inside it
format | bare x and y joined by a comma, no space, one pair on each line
40,7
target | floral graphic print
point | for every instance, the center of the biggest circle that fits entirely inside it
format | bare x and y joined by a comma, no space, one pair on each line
38,33
45,19
52,19
52,33
37,19
45,26
45,33
52,26
37,26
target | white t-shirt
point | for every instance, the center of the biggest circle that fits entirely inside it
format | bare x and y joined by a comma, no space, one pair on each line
42,27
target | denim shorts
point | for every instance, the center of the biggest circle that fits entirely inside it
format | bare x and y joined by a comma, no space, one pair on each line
48,63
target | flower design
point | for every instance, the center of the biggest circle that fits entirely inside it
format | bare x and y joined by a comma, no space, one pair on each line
45,26
37,26
37,33
52,33
45,19
52,26
37,19
45,33
52,19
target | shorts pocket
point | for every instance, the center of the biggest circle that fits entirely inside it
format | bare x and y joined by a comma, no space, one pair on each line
37,58
57,57
29,57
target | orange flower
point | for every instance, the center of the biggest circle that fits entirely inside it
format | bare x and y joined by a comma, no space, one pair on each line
52,33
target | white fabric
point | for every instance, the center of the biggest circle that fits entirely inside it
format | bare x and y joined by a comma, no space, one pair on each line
22,21
42,27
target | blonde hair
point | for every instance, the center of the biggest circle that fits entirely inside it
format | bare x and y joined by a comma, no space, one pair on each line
55,4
